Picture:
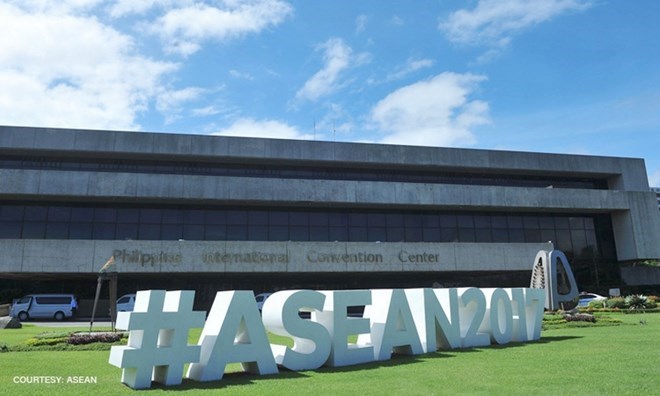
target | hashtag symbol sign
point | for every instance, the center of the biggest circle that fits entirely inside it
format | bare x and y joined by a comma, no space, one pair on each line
158,338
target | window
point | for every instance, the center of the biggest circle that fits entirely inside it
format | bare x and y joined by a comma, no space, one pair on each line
126,215
105,215
57,213
82,214
127,231
57,231
11,212
104,231
36,213
54,300
172,232
258,217
149,232
579,236
298,219
310,172
150,216
10,230
33,230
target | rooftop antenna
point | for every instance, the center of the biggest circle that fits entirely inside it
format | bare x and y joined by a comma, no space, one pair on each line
315,129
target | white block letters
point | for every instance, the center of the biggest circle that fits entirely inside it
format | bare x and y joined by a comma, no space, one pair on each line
410,321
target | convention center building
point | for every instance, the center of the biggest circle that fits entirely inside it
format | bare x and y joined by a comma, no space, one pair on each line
210,213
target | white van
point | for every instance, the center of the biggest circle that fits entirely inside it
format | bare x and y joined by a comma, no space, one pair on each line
44,306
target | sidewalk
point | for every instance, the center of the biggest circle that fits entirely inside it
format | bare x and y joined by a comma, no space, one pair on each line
78,322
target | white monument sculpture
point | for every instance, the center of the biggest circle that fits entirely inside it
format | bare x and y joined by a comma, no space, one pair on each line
401,321
405,321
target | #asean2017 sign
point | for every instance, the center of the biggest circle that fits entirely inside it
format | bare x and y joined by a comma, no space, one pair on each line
404,321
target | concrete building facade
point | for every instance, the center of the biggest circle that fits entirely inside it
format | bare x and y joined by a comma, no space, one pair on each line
211,212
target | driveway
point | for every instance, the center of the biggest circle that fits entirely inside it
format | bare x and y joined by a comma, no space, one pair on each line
105,323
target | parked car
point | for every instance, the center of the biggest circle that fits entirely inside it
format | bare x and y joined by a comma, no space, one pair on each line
126,303
44,306
261,298
586,298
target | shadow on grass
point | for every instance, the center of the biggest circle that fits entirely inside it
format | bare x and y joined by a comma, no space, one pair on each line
229,380
543,340
547,339
245,379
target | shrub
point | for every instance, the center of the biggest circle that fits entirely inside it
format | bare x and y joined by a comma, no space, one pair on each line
552,317
52,334
617,302
580,317
596,304
551,321
46,341
636,301
81,339
68,341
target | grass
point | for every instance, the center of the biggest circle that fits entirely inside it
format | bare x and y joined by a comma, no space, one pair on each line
616,360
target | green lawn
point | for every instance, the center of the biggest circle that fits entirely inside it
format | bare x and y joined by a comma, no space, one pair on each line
614,360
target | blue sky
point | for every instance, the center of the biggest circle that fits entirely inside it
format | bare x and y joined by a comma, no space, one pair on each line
565,76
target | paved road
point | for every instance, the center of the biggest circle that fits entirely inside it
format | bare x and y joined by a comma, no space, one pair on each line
71,323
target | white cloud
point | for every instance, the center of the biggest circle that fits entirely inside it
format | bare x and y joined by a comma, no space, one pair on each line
337,120
167,101
397,21
170,103
248,127
66,70
337,58
54,7
361,23
206,111
241,75
412,65
494,22
128,7
433,112
184,29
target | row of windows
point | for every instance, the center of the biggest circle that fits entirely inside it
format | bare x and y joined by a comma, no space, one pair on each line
298,172
258,217
576,235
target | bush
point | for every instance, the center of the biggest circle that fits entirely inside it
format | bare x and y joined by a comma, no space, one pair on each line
636,301
596,304
580,317
617,302
82,339
46,341
52,334
60,340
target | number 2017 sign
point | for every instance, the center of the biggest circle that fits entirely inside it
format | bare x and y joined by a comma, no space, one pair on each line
403,321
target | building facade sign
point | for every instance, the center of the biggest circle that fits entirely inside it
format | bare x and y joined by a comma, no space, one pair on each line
291,257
